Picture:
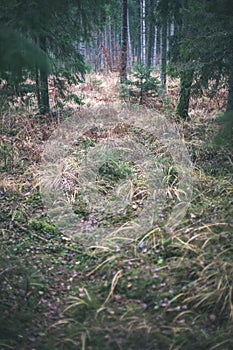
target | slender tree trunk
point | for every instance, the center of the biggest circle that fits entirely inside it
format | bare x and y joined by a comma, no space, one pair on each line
158,40
44,107
170,33
105,50
172,28
151,39
143,31
109,47
155,47
163,59
94,52
101,58
37,73
43,101
230,93
135,55
130,58
186,79
124,40
113,40
138,46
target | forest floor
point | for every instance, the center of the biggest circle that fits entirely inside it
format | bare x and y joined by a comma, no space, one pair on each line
160,290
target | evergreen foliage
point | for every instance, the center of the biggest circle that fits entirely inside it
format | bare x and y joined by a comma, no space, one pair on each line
42,38
39,38
203,45
225,133
143,81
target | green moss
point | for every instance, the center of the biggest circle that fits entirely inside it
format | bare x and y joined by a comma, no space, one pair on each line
41,225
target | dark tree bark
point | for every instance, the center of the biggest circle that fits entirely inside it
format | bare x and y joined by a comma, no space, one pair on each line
44,93
230,92
163,61
186,79
158,40
124,42
37,75
42,83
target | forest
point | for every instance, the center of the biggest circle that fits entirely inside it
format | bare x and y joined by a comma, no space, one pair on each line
116,174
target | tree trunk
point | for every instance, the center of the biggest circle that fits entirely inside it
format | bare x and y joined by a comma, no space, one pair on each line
100,57
110,48
230,93
154,62
158,42
37,74
151,39
143,31
163,59
114,46
130,58
124,40
44,101
138,48
186,79
43,90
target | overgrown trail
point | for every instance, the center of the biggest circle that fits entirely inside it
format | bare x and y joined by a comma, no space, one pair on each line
159,291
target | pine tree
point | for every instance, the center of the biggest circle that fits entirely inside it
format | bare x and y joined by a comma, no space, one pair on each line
51,30
202,48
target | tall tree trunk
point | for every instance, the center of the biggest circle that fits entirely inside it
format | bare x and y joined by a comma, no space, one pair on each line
109,47
124,40
154,62
151,39
130,58
143,31
37,74
163,57
113,41
158,42
230,92
186,79
94,52
101,58
172,32
43,101
138,46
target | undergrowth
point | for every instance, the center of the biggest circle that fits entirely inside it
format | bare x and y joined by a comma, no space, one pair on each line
160,291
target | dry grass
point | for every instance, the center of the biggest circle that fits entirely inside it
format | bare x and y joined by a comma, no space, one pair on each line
156,290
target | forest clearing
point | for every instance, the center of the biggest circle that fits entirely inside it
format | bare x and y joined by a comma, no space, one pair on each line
116,175
158,292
